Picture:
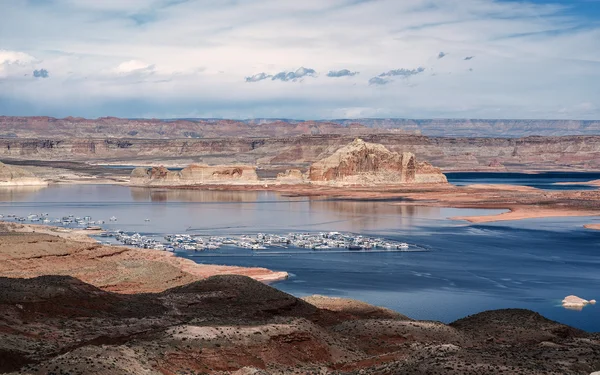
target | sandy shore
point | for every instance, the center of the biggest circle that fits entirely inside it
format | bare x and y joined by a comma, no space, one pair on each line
521,213
593,226
33,250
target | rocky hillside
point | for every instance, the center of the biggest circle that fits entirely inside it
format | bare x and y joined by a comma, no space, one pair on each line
361,162
235,325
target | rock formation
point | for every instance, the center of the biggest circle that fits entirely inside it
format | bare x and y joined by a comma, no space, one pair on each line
14,176
195,174
370,163
291,176
576,303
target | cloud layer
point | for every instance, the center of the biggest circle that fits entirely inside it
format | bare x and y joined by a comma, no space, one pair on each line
240,59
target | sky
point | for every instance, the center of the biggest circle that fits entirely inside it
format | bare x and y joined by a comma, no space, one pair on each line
309,59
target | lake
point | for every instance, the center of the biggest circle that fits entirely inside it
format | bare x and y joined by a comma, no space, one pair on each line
466,269
541,180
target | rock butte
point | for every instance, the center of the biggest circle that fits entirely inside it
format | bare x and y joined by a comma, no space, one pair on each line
366,163
14,176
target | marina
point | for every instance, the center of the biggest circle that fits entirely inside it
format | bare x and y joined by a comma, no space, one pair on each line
321,241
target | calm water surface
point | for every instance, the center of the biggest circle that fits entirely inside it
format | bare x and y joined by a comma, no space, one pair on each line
543,180
469,268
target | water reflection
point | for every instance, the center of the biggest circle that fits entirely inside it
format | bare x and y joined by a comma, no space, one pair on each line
181,195
18,193
359,216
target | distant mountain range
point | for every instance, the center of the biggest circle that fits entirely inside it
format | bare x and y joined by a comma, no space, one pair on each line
35,127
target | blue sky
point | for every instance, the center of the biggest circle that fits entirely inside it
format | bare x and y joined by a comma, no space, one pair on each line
306,60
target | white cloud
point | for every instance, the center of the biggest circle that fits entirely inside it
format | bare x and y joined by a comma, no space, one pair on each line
133,66
15,57
193,57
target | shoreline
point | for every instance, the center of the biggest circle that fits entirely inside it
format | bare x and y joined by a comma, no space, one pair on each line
29,250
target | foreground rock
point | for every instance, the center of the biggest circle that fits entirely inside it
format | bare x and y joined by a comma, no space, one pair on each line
195,174
370,164
118,269
236,325
15,176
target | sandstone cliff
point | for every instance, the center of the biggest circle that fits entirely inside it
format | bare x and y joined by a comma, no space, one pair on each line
195,174
14,176
369,163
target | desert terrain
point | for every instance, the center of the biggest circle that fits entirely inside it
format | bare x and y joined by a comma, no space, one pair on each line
71,306
138,313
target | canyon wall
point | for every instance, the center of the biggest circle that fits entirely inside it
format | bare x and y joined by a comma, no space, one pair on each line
301,151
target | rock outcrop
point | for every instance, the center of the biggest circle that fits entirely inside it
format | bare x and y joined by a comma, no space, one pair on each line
14,176
291,176
576,303
195,174
361,162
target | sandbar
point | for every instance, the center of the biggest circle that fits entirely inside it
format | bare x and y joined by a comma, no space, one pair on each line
522,213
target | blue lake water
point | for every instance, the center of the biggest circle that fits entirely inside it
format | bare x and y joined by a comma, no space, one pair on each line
542,180
467,269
